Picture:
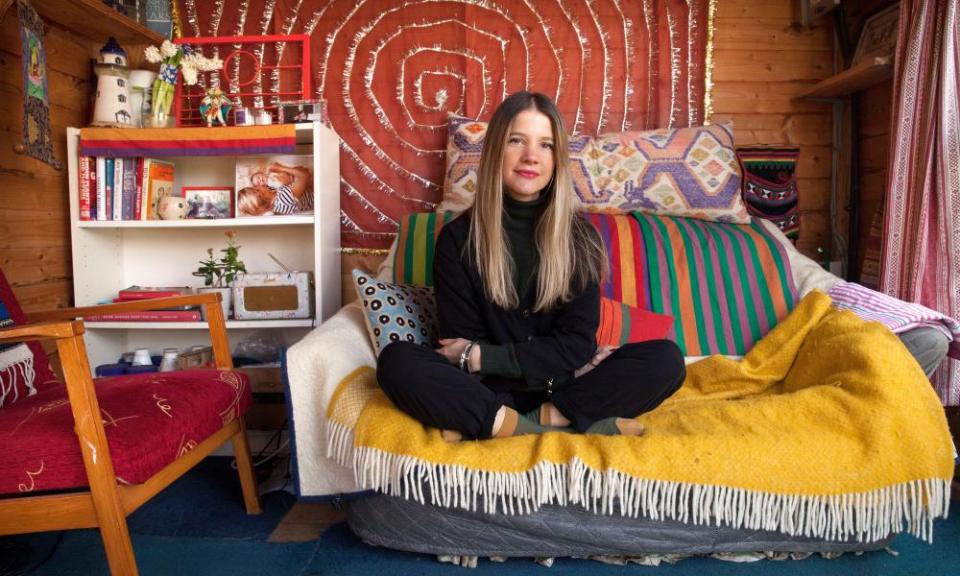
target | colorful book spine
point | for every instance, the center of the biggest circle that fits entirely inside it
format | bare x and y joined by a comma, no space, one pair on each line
84,169
129,192
144,292
108,177
118,188
147,316
101,188
138,196
145,195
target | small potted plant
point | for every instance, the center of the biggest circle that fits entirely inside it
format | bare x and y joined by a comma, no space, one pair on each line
219,273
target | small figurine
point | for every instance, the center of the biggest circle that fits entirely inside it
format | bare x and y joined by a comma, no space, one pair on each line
215,106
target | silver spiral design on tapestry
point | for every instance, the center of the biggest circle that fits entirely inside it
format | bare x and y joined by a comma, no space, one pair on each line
392,71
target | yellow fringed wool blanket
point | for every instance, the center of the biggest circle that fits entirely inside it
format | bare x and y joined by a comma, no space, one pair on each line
826,428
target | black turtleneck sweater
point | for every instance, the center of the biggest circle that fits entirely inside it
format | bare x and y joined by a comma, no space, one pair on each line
523,347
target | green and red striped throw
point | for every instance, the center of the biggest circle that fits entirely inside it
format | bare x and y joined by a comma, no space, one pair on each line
725,285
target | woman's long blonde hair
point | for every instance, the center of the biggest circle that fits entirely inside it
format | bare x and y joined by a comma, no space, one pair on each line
571,251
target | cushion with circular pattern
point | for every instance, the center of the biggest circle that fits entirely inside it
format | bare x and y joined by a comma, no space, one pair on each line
396,312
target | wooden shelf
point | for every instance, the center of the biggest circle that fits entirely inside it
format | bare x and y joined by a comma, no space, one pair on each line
95,20
231,324
860,77
199,223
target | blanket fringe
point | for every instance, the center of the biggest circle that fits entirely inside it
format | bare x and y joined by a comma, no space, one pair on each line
866,516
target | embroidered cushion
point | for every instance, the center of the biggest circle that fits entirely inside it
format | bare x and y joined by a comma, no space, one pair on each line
622,324
770,186
396,312
689,172
24,367
149,420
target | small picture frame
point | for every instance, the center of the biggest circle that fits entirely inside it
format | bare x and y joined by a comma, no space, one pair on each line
879,35
208,202
274,186
303,111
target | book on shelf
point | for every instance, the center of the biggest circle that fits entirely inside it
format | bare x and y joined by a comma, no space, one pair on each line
123,188
189,315
85,169
145,292
159,184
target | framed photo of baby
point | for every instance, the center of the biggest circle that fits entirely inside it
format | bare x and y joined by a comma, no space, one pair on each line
274,186
208,202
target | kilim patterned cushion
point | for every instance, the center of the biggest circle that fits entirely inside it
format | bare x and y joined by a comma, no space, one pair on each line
689,172
770,186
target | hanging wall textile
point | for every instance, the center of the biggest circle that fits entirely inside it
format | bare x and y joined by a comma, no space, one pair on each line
36,106
770,186
921,237
119,142
391,70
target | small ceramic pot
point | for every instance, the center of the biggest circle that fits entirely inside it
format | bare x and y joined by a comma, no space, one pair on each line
226,301
173,208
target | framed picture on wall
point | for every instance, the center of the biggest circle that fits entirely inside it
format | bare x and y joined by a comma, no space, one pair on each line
879,35
208,202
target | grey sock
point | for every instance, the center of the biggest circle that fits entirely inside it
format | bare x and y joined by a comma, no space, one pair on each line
533,416
613,426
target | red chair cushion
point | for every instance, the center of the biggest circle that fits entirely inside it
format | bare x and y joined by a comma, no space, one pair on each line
150,420
24,368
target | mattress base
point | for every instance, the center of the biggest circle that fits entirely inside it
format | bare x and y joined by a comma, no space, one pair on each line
562,531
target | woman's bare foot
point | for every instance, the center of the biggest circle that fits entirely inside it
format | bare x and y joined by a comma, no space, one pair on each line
451,436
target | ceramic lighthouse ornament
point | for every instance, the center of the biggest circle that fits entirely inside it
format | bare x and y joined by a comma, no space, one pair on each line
113,88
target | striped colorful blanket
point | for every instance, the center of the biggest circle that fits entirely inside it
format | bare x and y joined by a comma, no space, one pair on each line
895,314
235,140
726,285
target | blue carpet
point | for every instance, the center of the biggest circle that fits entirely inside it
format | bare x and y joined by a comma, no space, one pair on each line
197,526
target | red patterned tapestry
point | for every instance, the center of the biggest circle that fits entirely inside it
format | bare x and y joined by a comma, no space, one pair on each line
921,240
391,70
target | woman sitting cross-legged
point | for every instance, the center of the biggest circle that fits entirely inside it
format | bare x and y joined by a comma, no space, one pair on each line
517,287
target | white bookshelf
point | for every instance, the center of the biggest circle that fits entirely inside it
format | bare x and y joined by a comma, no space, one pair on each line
111,255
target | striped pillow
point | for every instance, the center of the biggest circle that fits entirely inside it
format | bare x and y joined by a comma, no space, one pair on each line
413,258
622,324
726,285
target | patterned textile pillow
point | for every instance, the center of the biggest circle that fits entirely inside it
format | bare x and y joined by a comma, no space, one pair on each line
690,172
622,324
413,257
396,312
770,186
682,172
23,366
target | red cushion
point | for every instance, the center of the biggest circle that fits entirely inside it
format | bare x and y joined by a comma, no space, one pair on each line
622,324
24,369
150,419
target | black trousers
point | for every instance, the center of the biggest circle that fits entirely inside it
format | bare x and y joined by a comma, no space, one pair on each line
635,379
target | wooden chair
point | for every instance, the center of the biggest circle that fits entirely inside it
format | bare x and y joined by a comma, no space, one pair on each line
106,501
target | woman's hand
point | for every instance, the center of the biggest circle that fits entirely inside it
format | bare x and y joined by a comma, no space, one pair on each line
599,356
452,348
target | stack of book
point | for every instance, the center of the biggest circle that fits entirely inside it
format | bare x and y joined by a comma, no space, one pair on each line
123,188
135,293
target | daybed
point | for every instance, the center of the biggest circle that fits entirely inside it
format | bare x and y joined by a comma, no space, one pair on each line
807,430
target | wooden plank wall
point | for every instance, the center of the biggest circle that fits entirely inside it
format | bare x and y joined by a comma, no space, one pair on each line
762,59
34,209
